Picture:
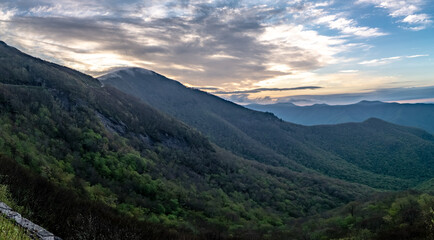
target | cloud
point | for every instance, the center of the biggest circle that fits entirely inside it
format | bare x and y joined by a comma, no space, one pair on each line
191,43
317,15
244,99
383,61
416,56
7,14
302,49
417,19
349,71
349,26
198,42
258,90
221,45
406,10
240,98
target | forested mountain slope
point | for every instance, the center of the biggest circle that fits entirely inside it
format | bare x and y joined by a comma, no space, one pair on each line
397,216
267,139
63,137
414,115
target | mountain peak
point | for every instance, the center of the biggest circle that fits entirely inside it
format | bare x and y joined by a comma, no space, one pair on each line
130,71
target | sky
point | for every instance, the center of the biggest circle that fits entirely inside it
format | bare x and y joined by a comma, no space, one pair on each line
305,52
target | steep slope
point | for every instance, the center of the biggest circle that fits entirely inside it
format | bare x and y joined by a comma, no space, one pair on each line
267,139
112,149
214,117
413,115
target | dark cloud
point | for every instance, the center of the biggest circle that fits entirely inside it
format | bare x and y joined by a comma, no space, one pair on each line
258,90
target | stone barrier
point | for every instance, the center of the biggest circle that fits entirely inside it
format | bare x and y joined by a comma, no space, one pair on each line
32,228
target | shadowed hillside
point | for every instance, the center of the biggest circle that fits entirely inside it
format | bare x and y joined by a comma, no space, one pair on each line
89,143
267,139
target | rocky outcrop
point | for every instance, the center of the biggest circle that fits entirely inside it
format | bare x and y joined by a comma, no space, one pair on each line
35,229
119,128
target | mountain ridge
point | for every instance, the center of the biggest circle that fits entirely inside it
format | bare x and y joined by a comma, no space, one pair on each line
244,128
407,114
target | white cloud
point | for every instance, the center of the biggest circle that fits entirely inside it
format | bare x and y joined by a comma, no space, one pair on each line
349,71
314,13
349,26
416,56
68,9
417,19
7,14
406,10
383,61
300,49
396,8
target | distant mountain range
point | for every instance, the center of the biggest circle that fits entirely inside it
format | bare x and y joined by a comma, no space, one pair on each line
418,115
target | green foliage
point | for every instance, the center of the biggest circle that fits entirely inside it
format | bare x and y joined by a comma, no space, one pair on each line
65,212
407,215
427,186
9,231
111,149
5,195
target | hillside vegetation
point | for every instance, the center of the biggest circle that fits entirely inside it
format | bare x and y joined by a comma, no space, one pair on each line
8,229
405,215
374,153
105,146
87,161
